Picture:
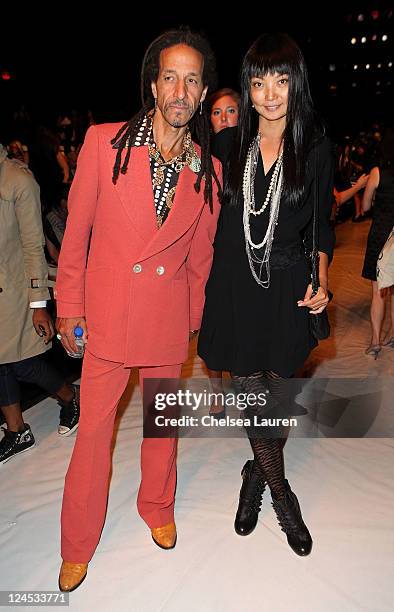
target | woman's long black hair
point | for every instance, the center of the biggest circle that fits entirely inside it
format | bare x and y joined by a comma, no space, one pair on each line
270,54
199,124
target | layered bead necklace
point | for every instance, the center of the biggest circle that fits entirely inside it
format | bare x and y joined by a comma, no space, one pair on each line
259,262
165,174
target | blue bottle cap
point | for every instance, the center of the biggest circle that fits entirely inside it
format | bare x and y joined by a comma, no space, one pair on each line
78,332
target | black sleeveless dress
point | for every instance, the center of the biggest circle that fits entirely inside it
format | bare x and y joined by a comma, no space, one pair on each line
246,328
382,223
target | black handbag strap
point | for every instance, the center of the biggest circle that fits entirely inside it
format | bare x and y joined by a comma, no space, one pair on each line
315,252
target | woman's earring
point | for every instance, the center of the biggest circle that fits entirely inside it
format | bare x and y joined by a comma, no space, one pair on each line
201,107
155,103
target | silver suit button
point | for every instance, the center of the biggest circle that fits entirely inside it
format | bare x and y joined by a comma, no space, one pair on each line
137,268
160,270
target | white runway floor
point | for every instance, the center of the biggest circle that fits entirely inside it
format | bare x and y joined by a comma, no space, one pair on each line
345,487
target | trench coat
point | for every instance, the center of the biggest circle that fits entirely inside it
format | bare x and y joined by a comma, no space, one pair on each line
23,269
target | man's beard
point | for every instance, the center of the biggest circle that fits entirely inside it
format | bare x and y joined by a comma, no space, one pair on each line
179,121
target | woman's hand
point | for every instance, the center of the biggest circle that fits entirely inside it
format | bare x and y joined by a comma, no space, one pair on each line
361,181
318,302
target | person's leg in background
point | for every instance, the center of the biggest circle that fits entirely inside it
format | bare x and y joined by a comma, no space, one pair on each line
18,436
377,316
358,209
390,334
156,494
38,371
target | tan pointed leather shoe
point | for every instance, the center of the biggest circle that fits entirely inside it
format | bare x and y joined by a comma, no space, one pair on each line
72,575
164,537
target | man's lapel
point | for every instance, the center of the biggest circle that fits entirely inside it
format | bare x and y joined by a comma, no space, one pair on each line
186,207
135,192
136,195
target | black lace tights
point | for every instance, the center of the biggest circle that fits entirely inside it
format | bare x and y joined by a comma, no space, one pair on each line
268,451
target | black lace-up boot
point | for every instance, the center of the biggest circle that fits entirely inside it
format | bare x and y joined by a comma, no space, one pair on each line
249,506
289,516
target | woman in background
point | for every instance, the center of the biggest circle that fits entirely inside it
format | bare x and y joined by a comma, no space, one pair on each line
224,105
224,109
380,190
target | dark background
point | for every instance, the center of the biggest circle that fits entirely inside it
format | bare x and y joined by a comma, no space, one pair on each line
69,60
66,59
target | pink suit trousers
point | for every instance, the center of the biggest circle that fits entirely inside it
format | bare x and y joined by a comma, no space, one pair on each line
87,480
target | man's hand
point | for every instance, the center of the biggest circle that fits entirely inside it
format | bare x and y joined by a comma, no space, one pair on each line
193,333
43,324
66,327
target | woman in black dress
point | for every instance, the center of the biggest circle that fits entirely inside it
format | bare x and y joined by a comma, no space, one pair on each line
258,296
380,189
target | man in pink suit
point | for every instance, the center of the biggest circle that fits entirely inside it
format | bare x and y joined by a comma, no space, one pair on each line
147,198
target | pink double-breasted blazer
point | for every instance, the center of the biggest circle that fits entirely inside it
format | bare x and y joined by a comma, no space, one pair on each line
140,288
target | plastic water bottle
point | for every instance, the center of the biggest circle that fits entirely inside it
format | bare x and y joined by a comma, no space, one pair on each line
78,333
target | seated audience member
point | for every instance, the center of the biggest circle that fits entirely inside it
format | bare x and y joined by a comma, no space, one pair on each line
55,225
17,150
26,327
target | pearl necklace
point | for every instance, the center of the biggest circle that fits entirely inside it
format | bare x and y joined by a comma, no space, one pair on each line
261,262
273,181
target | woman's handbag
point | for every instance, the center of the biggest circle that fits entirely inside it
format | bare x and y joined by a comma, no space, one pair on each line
319,323
385,265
